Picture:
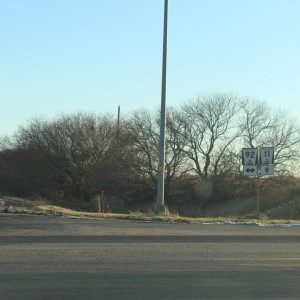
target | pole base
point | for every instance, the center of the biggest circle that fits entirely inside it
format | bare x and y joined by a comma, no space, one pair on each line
161,210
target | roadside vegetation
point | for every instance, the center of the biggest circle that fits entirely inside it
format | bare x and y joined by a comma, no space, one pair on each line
41,207
96,163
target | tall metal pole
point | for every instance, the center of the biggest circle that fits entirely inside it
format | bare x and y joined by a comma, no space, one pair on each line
161,163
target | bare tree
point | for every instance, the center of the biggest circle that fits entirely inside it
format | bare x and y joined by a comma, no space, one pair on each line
256,120
285,137
144,132
177,163
210,128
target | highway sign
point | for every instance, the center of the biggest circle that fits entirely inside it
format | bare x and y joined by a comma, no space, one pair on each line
266,170
267,155
249,156
250,170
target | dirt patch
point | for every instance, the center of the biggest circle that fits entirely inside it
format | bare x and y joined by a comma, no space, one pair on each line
19,205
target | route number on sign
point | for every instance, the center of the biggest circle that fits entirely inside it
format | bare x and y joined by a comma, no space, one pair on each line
249,156
267,155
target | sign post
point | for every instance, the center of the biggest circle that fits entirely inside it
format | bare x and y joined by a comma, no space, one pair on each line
258,162
258,192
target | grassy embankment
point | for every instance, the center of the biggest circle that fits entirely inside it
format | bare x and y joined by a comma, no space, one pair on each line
280,205
165,217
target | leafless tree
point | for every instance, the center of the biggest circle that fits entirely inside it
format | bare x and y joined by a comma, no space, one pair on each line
256,120
210,128
285,138
144,132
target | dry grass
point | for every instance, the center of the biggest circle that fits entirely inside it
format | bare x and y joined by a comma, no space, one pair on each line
234,217
166,217
74,213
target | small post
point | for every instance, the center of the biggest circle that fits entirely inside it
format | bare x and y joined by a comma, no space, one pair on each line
258,194
100,202
258,184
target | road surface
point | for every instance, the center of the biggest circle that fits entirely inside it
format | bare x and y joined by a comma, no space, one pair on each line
63,258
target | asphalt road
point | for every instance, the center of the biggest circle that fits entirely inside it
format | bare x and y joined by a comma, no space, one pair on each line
60,258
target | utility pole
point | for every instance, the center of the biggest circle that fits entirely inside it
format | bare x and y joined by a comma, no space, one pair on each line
118,124
161,163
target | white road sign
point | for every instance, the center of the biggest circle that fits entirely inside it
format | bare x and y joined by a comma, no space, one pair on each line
249,156
267,155
250,170
266,170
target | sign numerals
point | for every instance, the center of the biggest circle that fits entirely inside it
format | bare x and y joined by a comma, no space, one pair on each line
267,153
250,154
254,166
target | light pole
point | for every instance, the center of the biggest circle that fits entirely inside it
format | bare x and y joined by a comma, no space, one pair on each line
161,163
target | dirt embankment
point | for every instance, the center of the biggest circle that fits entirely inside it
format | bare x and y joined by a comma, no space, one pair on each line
21,206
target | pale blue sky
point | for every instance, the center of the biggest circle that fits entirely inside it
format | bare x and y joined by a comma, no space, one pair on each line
63,56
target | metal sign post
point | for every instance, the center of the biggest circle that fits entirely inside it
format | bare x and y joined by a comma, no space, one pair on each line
258,189
258,162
